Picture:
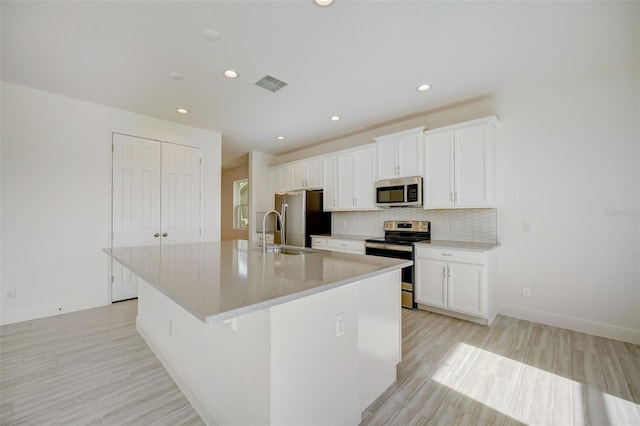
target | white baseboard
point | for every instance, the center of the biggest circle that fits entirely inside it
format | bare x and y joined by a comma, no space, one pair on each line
458,315
10,316
575,324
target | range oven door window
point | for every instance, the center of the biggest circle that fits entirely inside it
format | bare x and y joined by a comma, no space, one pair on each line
402,252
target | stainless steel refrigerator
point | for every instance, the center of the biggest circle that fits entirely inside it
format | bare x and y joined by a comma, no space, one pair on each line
302,215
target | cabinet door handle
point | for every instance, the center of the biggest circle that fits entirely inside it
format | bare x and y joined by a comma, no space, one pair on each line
446,254
455,196
451,197
156,235
444,272
448,272
164,234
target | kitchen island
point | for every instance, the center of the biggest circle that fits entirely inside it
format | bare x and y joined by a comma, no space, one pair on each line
269,338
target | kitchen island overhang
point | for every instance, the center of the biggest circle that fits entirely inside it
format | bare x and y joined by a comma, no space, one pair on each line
270,338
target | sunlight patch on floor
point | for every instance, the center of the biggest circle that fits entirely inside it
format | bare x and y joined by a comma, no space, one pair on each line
527,393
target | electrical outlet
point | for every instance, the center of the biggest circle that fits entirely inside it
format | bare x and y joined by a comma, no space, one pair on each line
339,324
526,292
453,225
526,226
11,294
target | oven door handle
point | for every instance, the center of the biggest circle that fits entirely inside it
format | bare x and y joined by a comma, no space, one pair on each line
391,247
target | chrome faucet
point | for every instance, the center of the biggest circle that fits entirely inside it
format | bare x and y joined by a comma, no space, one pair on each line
264,229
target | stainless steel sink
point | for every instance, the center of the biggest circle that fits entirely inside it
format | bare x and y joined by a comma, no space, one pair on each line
288,250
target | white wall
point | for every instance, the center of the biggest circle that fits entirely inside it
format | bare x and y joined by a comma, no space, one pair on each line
568,163
260,195
56,175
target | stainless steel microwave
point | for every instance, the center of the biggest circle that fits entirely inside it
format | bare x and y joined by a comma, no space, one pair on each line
403,192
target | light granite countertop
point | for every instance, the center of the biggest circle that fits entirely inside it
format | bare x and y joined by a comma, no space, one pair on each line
216,281
345,237
461,245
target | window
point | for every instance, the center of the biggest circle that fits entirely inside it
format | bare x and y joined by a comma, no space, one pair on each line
241,204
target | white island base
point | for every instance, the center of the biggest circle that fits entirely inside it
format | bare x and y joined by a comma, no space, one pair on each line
319,359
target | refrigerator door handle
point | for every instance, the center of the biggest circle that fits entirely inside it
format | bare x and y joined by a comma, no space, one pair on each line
284,223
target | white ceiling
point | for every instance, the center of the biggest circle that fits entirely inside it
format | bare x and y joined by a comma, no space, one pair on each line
361,60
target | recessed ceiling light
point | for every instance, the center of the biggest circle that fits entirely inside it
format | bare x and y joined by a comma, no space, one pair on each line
175,76
322,3
183,110
280,138
335,118
230,74
423,88
211,35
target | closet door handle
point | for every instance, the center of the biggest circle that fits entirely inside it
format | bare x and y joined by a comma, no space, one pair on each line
164,234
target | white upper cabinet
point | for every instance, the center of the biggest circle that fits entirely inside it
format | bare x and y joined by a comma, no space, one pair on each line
460,165
347,178
329,185
356,179
301,175
307,174
280,179
400,154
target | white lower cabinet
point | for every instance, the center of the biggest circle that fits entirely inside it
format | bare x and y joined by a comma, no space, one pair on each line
338,244
456,282
269,236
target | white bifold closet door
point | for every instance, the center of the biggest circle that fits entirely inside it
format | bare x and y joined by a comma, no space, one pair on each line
155,199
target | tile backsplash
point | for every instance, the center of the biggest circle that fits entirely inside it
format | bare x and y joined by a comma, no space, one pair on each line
478,225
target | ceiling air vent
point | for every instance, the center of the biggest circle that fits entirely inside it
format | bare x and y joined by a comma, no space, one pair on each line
272,84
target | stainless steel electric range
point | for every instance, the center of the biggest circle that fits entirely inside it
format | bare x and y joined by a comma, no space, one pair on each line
397,242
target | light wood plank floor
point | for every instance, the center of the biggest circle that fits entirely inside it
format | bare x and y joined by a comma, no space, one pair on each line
515,372
92,367
88,367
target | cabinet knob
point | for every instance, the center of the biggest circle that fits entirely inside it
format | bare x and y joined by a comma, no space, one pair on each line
156,235
164,234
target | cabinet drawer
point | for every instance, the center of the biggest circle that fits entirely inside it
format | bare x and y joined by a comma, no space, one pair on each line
451,255
319,243
345,245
